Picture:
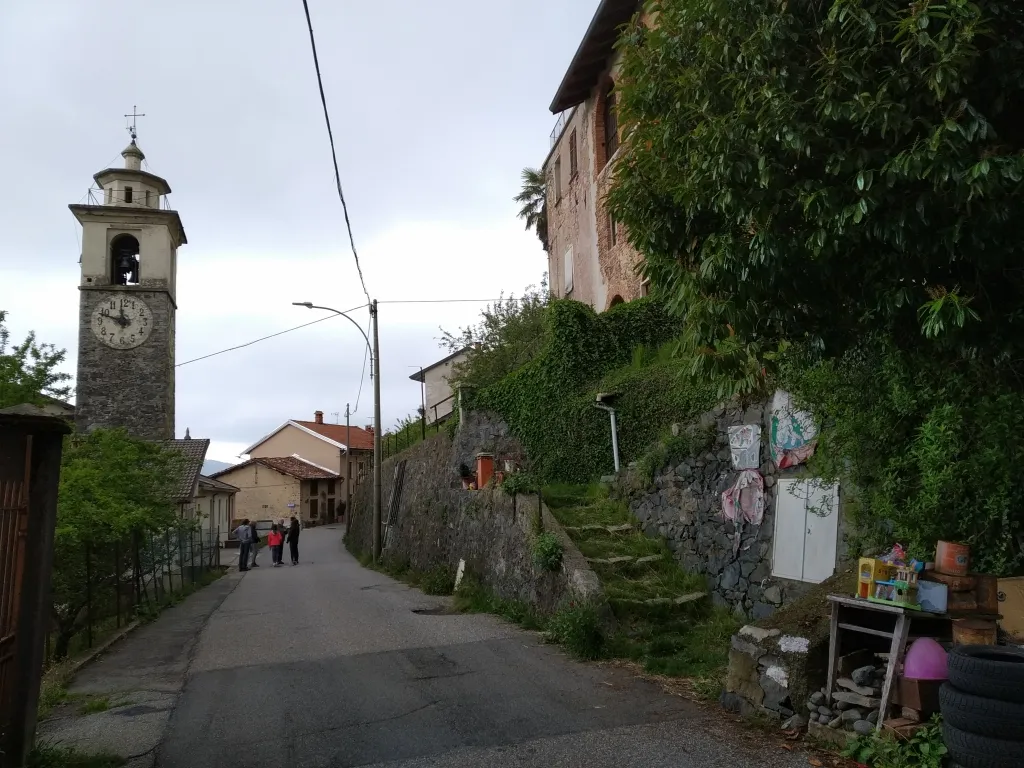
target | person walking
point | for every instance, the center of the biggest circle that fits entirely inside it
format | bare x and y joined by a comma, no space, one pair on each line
275,539
255,544
293,540
244,535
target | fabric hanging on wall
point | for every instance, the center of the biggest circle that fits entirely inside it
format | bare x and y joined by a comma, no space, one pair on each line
793,434
744,502
745,446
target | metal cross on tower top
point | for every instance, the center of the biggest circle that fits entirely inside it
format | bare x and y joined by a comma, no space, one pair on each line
134,115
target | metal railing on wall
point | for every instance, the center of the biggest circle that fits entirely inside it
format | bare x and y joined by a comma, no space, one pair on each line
393,443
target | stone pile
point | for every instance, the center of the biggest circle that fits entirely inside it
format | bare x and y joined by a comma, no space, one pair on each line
854,703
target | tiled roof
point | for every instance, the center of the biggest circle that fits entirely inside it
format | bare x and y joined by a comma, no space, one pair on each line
286,465
361,439
194,453
217,485
592,56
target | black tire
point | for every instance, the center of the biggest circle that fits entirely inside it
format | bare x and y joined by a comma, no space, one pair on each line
989,671
972,751
981,716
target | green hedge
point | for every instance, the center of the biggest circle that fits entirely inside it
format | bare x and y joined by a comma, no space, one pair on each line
549,402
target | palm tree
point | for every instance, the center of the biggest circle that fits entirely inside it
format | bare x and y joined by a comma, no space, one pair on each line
534,200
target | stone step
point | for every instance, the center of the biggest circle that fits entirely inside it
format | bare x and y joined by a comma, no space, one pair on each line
648,559
611,560
692,597
610,528
624,559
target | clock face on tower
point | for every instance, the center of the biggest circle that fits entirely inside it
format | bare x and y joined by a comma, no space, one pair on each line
122,322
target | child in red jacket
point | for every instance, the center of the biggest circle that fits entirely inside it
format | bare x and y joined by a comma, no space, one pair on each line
275,539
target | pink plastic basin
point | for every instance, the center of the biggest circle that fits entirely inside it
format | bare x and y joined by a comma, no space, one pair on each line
926,660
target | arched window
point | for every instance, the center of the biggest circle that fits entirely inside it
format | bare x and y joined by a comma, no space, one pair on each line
124,260
616,301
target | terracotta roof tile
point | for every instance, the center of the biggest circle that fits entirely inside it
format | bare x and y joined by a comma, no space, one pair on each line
286,465
194,453
361,439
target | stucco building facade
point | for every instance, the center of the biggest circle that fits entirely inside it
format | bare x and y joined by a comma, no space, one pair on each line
272,489
438,394
589,258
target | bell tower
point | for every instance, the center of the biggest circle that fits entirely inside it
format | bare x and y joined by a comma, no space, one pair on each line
130,241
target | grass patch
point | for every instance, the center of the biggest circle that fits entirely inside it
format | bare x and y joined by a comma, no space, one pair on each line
474,597
95,706
53,688
577,628
438,581
689,640
48,756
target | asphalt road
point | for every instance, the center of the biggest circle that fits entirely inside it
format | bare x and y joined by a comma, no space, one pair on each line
329,664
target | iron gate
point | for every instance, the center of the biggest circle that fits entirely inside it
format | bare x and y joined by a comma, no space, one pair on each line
30,451
13,538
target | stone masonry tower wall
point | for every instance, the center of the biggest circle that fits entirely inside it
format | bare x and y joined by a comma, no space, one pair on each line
127,303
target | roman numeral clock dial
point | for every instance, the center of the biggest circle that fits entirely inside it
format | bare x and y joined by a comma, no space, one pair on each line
122,322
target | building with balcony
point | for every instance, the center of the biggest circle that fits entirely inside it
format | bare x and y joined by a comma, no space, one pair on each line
588,257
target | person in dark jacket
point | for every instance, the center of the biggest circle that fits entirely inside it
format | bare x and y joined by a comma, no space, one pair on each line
293,540
255,544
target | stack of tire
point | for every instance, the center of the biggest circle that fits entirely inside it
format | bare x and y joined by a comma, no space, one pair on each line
983,707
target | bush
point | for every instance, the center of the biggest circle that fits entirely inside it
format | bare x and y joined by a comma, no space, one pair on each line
438,581
924,749
577,628
519,483
547,552
548,402
933,451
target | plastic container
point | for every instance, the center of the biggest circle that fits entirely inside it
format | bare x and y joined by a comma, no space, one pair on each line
932,596
926,660
953,559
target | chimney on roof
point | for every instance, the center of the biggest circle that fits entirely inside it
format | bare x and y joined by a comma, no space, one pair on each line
318,417
369,428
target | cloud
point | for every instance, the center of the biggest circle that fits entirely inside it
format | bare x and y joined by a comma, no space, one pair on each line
434,116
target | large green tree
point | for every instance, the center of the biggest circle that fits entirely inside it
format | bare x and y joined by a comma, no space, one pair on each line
115,505
813,170
29,370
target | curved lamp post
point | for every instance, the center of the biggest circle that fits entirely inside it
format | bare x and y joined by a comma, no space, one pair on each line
375,373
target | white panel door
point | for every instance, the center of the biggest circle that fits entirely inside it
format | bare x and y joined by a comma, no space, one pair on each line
822,531
790,527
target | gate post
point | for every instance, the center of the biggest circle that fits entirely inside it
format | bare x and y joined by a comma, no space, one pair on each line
31,444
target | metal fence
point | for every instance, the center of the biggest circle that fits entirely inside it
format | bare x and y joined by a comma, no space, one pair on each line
101,587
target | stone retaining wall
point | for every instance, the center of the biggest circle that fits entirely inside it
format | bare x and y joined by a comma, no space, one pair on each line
683,504
773,673
439,523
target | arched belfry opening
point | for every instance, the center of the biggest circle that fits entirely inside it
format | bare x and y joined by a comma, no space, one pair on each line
124,260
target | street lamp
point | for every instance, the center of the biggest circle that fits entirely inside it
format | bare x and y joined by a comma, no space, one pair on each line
375,374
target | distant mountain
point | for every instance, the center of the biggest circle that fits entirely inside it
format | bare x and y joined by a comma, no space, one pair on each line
210,466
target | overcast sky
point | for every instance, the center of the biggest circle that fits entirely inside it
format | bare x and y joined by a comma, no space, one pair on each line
436,107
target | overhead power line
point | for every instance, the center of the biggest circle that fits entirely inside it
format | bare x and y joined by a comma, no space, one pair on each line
334,155
264,338
314,322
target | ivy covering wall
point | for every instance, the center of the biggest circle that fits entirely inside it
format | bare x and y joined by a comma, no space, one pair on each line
549,401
